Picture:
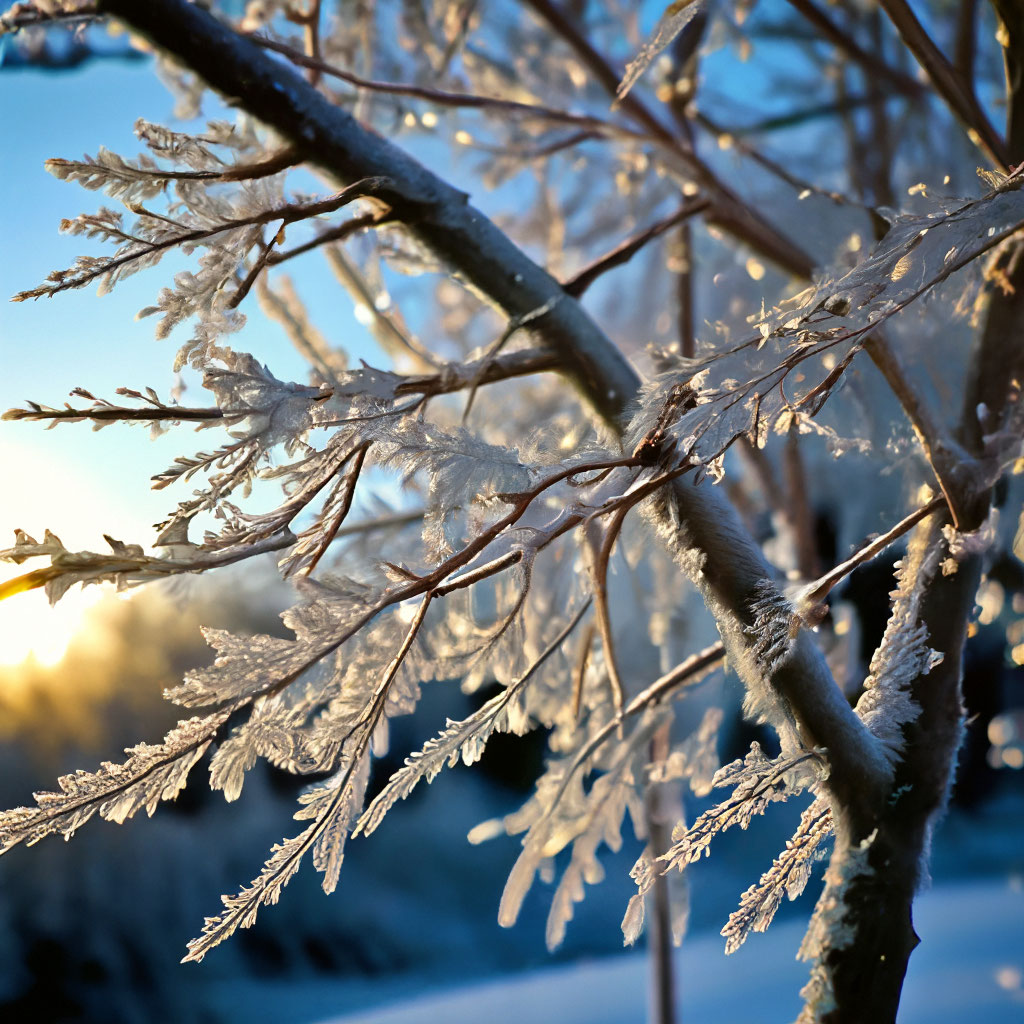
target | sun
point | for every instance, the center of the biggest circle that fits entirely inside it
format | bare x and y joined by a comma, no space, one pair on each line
29,627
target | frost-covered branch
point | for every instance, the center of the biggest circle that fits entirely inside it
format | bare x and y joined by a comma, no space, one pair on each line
111,173
32,15
117,791
441,218
138,249
863,934
489,589
102,412
126,565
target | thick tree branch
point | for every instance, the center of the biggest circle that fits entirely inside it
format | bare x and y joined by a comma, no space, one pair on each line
866,972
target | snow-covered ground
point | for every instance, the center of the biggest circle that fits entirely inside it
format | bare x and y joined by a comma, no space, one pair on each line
969,968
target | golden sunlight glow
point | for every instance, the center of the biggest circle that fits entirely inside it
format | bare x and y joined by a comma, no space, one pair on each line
64,500
30,628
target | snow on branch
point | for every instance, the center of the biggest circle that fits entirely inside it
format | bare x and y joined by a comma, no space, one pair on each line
755,388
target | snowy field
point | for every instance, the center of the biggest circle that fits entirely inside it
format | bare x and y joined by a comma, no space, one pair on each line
969,968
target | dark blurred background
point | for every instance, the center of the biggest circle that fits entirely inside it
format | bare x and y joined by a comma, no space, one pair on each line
92,930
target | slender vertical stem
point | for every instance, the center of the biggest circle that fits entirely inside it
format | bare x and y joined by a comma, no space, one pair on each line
801,512
966,42
682,264
663,1001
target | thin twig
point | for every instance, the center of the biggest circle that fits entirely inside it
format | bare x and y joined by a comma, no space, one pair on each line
399,519
255,270
22,16
626,250
659,833
947,83
337,234
387,330
869,62
687,673
492,568
265,168
517,323
820,589
580,672
115,413
454,376
324,532
599,585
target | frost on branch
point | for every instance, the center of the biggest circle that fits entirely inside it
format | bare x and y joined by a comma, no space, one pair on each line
226,221
464,740
119,178
752,388
117,791
963,545
333,805
126,565
903,656
771,635
457,464
758,781
829,929
787,877
245,665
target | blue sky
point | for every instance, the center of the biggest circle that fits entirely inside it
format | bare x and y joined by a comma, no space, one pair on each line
76,482
52,345
71,479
